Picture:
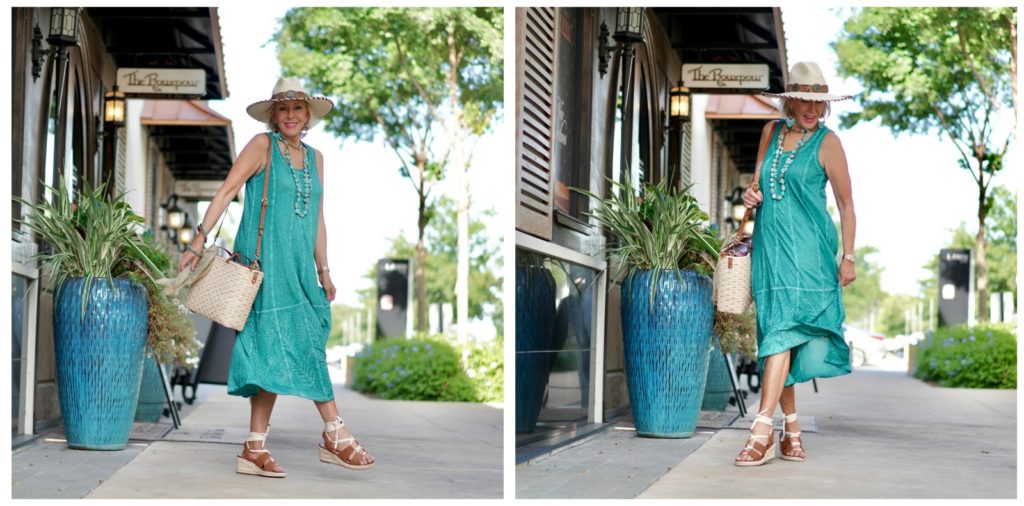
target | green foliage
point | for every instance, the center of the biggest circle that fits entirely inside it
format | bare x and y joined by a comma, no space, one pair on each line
983,356
737,333
388,68
485,365
91,236
413,369
925,68
663,229
430,368
171,332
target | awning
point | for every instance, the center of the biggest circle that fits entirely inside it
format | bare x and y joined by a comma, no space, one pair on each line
728,35
165,37
197,142
739,119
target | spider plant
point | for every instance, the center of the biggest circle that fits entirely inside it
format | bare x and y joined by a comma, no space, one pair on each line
661,230
92,238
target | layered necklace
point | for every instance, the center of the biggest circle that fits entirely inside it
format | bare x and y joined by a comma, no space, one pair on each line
303,181
775,173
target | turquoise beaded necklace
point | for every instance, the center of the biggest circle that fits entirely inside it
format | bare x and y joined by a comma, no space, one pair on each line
775,174
303,188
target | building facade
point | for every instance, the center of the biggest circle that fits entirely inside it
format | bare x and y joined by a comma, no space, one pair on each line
66,65
600,96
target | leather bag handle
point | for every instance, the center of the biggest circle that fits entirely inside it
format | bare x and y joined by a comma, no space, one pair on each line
757,174
263,210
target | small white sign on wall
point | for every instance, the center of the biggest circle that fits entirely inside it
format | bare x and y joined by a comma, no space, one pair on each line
158,81
725,76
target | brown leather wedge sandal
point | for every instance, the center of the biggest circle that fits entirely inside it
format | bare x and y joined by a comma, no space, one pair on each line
344,452
760,453
791,447
258,462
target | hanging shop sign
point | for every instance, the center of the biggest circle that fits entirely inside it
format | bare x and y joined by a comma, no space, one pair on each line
725,77
162,83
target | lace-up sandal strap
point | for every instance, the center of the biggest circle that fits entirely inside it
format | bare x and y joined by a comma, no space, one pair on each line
790,418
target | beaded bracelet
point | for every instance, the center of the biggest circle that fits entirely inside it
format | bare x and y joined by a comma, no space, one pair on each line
200,229
193,251
323,268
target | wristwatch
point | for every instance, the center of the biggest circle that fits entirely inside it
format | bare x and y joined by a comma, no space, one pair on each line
850,257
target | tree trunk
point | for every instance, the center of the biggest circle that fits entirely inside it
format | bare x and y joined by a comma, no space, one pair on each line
420,278
455,133
982,273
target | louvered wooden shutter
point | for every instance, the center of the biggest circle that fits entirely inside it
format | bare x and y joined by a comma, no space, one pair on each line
535,90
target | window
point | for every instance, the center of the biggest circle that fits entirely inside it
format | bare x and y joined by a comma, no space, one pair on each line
571,128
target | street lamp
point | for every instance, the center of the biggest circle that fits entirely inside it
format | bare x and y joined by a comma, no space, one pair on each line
113,107
630,24
63,26
680,102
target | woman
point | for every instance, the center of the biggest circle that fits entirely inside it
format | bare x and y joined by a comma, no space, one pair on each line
281,348
796,283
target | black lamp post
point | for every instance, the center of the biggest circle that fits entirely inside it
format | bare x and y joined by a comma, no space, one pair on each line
630,27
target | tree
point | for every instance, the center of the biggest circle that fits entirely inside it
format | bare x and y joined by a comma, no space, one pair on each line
944,69
441,261
399,73
1001,241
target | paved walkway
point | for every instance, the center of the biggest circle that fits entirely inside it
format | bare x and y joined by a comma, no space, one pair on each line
879,434
423,450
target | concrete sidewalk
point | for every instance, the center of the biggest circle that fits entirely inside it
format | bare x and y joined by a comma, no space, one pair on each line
877,434
423,450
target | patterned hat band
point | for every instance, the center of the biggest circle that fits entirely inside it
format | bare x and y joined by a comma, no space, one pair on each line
813,88
289,95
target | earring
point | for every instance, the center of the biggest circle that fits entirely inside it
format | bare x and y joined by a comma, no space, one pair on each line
790,122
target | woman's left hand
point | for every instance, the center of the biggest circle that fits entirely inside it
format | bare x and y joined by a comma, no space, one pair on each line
847,273
327,284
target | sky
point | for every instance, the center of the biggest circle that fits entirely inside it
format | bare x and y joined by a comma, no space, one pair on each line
908,191
366,202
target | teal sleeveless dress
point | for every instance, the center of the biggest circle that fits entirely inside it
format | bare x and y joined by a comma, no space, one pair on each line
281,349
795,276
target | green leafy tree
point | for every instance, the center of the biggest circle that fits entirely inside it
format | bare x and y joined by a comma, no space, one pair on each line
1001,240
945,69
400,73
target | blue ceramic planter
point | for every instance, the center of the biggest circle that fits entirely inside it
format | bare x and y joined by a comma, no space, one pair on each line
718,387
99,360
151,393
535,330
666,348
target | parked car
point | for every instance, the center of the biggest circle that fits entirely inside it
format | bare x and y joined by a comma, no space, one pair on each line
865,347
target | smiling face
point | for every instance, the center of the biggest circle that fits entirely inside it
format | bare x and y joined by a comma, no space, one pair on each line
805,112
291,117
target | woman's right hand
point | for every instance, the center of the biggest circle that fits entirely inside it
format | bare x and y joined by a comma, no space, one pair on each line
752,198
189,259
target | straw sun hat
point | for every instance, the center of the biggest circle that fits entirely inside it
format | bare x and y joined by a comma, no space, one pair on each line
289,88
806,82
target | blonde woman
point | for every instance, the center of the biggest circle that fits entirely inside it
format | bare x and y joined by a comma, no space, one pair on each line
796,280
281,350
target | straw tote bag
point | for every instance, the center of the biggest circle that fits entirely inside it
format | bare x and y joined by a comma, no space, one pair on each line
732,275
222,289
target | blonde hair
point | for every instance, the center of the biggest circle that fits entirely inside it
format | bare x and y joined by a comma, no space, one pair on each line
787,109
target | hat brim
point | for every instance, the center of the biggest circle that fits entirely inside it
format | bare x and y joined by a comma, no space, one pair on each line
318,108
812,97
